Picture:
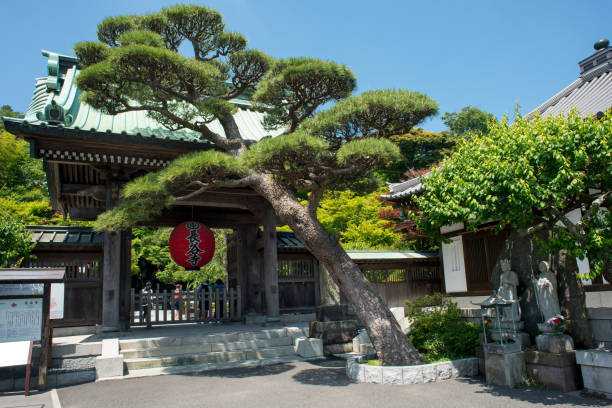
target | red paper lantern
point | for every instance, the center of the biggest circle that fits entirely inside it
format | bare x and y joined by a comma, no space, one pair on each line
192,244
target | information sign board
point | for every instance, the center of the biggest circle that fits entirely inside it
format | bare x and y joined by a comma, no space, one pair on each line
20,319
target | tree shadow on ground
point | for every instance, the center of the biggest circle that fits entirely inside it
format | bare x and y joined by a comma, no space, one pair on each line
536,395
244,372
332,373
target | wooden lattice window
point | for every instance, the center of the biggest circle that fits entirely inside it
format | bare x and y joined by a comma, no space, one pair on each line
385,275
295,269
420,273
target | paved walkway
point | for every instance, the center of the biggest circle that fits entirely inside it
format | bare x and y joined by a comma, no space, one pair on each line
36,399
301,384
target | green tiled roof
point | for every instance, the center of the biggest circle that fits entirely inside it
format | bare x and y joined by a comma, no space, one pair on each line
59,235
56,104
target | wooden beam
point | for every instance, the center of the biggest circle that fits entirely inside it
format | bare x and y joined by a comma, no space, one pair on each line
85,214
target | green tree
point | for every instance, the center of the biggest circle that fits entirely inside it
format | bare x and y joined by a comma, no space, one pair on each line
15,241
469,120
137,66
6,110
356,219
420,149
528,176
151,245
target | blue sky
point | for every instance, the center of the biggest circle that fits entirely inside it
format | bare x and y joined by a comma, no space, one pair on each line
489,54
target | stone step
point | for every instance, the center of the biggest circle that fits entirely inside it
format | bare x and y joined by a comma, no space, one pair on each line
201,348
207,358
200,368
204,339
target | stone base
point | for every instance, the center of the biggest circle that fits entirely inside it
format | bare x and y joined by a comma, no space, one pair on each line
521,338
341,348
504,369
596,367
556,371
333,332
550,343
308,348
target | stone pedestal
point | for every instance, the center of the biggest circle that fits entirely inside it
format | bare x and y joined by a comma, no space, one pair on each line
504,364
596,367
334,332
556,371
550,343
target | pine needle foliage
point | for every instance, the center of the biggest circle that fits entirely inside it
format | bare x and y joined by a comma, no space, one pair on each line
380,113
368,153
291,157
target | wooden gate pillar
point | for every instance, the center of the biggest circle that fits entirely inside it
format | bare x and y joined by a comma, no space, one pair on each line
115,272
270,260
249,264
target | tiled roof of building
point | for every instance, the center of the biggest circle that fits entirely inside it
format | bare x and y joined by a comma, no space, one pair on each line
289,240
60,235
286,239
56,103
400,191
590,94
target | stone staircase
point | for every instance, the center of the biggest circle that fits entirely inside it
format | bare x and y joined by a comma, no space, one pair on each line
152,356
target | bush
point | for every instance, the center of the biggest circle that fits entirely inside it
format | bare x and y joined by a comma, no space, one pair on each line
438,329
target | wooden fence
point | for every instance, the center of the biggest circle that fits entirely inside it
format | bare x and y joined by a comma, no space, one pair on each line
193,306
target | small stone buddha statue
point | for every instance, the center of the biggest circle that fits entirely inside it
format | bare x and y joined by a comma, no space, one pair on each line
508,282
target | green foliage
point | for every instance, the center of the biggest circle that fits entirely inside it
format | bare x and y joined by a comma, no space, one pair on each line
419,150
91,52
526,173
146,197
294,87
21,177
15,241
367,153
469,120
438,330
355,218
141,37
290,157
380,113
204,166
151,245
7,111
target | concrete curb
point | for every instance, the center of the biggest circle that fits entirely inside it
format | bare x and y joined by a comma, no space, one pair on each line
444,370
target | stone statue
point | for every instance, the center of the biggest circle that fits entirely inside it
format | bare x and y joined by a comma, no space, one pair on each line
508,281
546,292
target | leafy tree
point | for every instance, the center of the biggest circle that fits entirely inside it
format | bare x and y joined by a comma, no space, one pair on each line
6,110
15,241
21,177
420,149
355,218
469,120
529,175
137,66
151,246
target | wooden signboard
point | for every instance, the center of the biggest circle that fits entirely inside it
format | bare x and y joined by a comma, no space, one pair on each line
25,310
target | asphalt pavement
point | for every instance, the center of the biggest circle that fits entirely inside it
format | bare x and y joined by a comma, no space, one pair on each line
302,384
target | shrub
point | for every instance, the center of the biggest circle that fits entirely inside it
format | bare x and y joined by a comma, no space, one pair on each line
438,329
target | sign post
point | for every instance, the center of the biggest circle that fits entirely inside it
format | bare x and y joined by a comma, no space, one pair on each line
25,311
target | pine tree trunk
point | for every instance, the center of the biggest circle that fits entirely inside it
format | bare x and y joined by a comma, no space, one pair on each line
391,344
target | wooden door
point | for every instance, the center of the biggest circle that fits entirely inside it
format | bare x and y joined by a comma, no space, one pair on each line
297,282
